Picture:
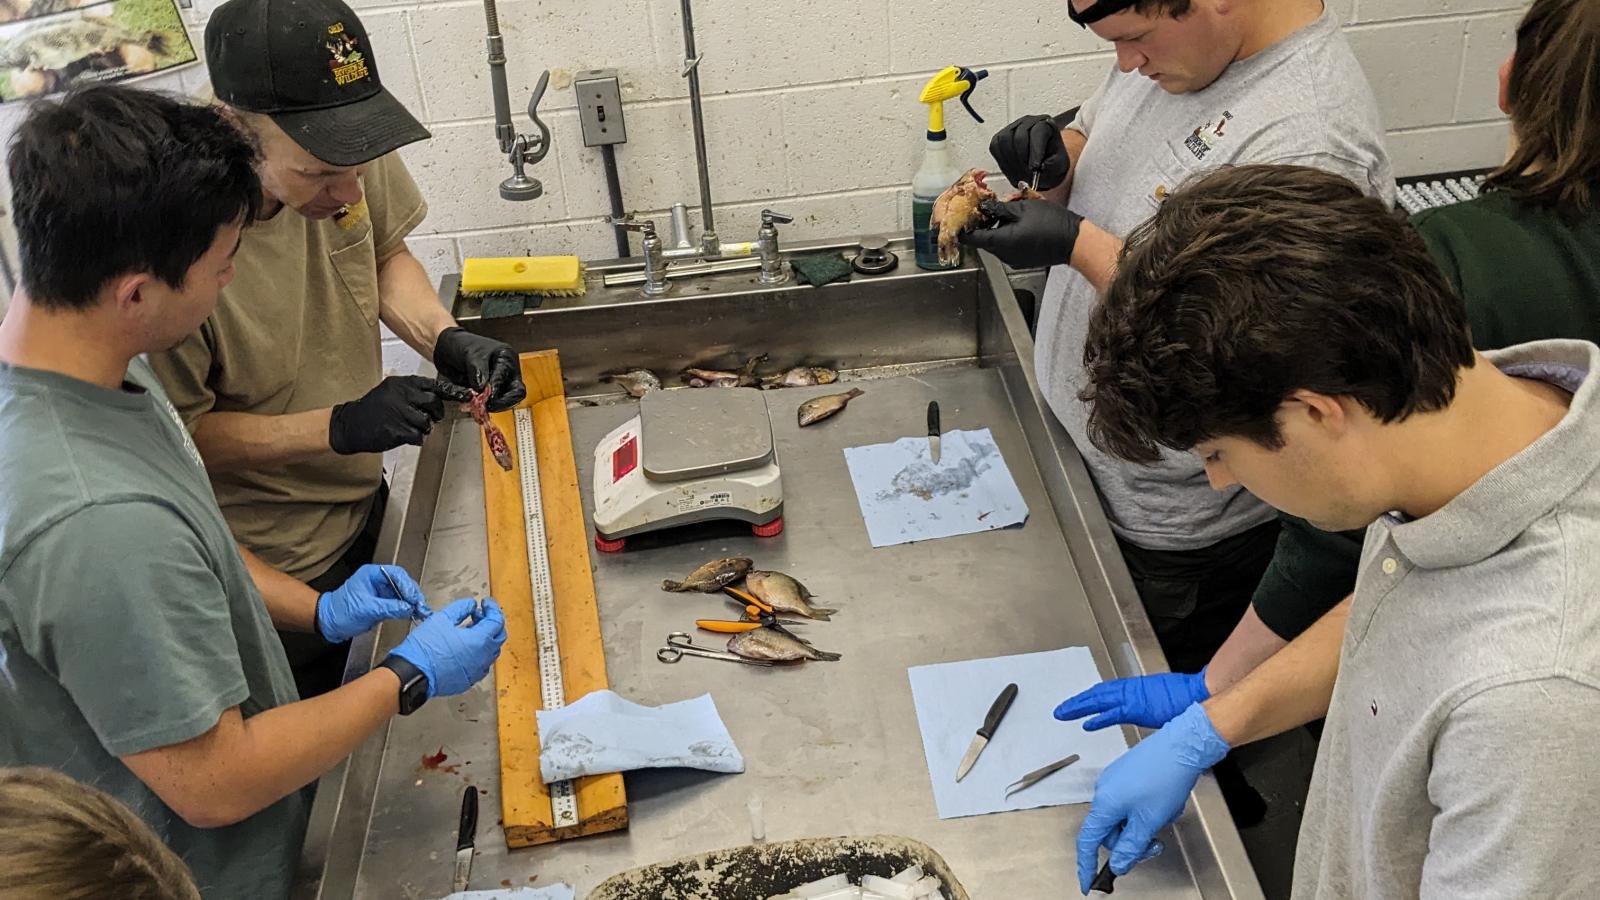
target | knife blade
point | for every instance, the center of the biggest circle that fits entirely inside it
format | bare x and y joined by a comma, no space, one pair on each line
997,711
466,838
933,430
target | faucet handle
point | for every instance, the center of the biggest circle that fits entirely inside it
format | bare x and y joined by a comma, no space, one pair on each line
768,217
628,223
538,147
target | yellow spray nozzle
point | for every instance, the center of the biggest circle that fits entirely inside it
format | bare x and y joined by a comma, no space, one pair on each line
951,82
947,85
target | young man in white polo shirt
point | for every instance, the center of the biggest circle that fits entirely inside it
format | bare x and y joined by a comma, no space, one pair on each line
1304,343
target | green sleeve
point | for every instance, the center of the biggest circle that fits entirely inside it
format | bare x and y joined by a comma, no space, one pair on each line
1436,231
1310,573
133,622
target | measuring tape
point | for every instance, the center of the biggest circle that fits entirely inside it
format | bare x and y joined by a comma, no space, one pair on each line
563,799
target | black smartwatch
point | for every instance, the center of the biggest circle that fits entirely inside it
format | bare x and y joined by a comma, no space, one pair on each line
413,684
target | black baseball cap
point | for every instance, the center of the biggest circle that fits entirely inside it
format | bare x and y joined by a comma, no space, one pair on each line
308,65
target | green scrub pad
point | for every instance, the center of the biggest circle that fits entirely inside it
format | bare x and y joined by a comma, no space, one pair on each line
820,268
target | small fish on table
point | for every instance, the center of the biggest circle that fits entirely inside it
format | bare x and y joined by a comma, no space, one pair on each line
818,408
712,577
715,378
800,376
478,408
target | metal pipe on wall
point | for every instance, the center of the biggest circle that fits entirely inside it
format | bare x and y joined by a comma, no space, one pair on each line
504,131
691,65
608,154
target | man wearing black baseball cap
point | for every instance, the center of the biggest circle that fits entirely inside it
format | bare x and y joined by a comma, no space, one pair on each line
283,386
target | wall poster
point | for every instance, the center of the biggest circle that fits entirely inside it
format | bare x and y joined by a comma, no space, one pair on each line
47,46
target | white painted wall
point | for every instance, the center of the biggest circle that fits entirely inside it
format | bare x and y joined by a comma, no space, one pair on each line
811,104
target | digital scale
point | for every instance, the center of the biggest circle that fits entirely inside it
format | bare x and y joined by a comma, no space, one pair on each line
691,455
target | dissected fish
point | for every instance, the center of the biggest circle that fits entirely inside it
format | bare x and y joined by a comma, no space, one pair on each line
637,382
818,408
711,577
801,376
785,595
956,212
745,377
774,645
478,408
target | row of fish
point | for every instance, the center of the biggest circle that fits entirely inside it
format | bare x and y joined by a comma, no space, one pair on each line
638,382
783,593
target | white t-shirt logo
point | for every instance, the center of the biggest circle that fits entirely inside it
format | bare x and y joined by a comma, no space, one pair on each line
1206,136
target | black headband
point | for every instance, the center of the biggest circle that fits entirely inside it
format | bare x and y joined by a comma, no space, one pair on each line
1097,11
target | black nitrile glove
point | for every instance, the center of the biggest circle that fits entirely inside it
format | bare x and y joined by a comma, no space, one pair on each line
472,361
1026,234
1028,145
400,410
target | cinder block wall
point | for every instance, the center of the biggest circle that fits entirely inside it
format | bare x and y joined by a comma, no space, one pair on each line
811,106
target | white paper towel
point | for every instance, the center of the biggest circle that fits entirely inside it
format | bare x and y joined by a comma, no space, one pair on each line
604,733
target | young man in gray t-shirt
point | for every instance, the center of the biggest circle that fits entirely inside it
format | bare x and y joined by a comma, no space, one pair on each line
1198,84
137,651
1303,341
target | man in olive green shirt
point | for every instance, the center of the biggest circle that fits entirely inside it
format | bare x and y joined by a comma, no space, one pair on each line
283,386
137,651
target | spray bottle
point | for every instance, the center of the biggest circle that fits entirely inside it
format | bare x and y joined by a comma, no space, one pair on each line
938,170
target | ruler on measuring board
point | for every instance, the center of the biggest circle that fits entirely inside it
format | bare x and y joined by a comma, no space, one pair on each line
539,570
563,800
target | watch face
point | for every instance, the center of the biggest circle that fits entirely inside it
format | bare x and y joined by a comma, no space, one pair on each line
413,694
413,684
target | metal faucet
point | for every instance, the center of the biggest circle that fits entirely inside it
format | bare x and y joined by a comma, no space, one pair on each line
710,246
772,268
650,247
663,264
522,150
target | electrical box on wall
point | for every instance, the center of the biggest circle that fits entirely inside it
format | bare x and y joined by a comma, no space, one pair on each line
600,108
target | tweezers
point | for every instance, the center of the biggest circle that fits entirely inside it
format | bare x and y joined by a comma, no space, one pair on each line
1038,775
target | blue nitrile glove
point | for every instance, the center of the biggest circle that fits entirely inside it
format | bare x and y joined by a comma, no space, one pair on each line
1144,790
365,600
1149,701
452,657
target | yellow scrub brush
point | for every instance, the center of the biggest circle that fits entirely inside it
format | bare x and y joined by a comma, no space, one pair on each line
522,276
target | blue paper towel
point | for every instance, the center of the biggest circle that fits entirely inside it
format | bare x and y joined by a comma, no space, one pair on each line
951,701
905,496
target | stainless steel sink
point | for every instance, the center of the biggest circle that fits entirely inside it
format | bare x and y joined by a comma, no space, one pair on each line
840,752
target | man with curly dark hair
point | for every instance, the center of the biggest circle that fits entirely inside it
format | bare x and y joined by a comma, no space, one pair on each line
1306,345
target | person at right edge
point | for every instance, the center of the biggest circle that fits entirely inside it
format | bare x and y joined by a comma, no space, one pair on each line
1301,339
1525,258
1197,84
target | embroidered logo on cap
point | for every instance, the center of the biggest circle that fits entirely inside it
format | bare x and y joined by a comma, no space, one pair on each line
1206,136
346,60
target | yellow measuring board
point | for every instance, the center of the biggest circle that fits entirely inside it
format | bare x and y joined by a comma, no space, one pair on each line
526,807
